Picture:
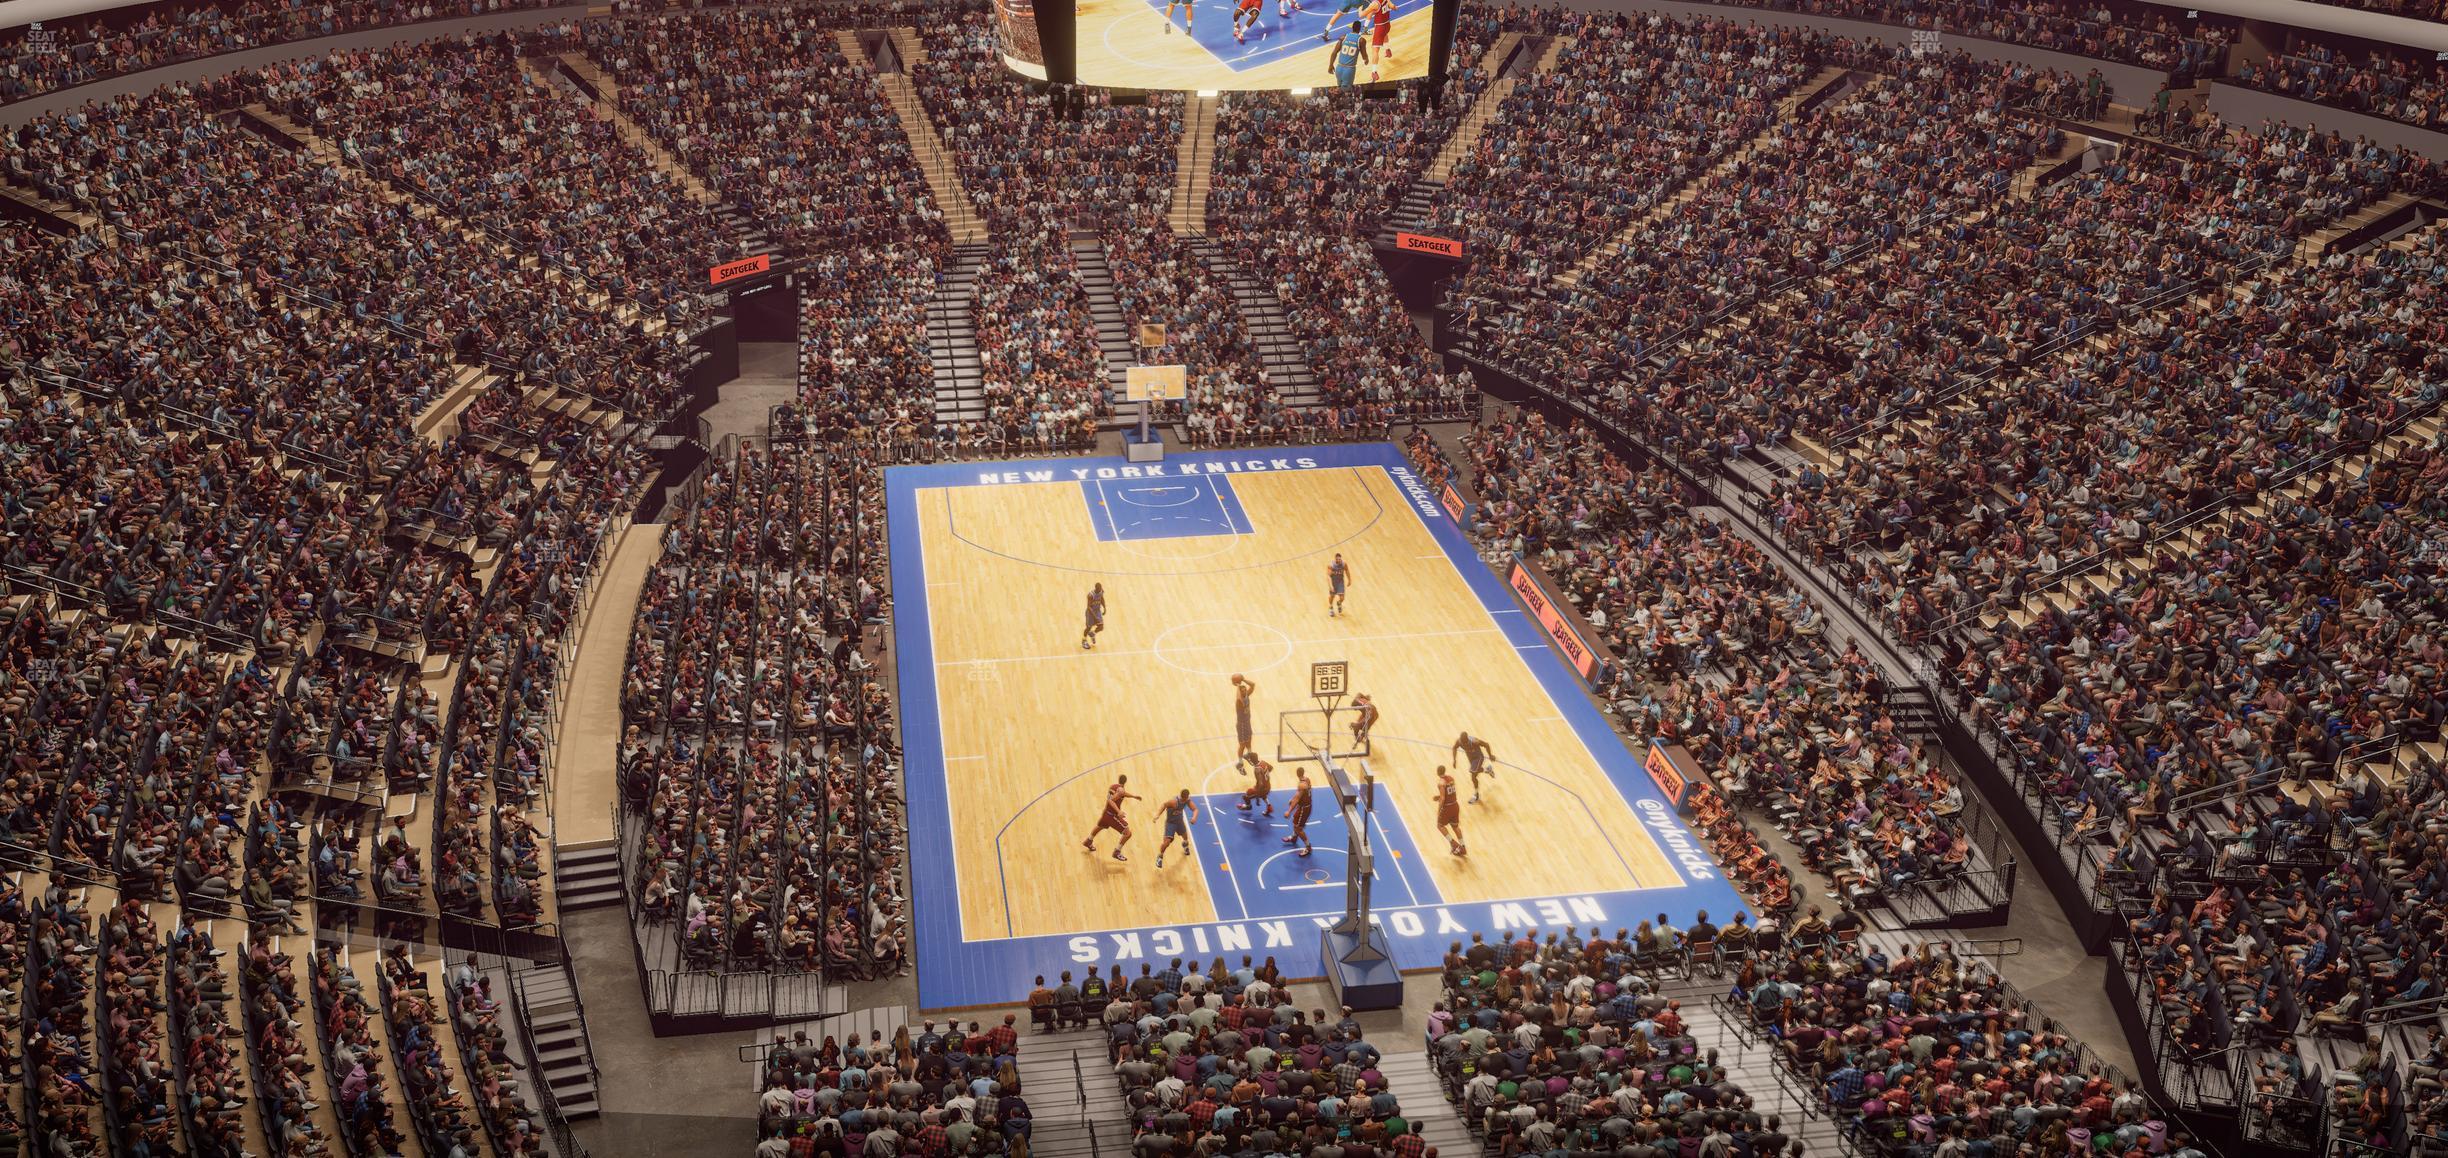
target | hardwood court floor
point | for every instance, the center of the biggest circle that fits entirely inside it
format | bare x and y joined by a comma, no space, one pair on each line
1035,728
1122,43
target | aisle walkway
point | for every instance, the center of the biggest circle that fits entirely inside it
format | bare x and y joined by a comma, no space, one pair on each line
588,780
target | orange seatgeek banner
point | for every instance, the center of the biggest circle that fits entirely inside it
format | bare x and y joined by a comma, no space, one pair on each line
1566,639
1662,764
1422,243
745,267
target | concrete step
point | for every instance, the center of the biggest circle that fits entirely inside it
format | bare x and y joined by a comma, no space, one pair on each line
1414,1082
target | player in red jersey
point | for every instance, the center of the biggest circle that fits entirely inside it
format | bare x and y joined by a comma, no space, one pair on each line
1299,815
1262,784
1380,15
1245,17
1449,812
1113,818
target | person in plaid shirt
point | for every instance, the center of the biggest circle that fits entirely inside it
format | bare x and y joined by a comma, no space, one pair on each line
932,1141
1411,1145
1004,1037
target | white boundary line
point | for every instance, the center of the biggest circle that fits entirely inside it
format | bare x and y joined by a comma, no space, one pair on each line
941,663
1586,751
1408,889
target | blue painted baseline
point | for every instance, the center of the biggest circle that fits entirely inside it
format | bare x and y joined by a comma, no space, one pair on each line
956,973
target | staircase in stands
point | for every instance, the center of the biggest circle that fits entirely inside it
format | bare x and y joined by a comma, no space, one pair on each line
52,215
960,375
1194,167
926,146
1073,1095
556,1025
1508,60
1262,313
1413,1080
1113,330
588,876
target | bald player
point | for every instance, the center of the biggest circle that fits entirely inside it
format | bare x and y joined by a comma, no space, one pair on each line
1479,753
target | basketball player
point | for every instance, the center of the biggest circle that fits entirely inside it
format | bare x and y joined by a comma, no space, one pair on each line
1262,786
1285,8
1178,813
1246,14
1449,812
1479,753
1113,818
1242,690
1345,58
1298,813
1380,17
1366,721
1338,578
1342,8
1189,13
1096,617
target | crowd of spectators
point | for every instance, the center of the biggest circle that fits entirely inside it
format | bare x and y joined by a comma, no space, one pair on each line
1863,170
1715,649
1332,162
1038,160
353,1033
866,368
2180,409
1633,107
763,105
1566,1044
212,1047
48,56
2127,31
1223,1060
61,1071
952,1094
285,1083
2389,85
414,1015
465,124
492,1073
139,1070
1926,1053
769,806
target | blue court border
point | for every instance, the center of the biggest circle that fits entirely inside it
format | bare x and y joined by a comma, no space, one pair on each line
958,973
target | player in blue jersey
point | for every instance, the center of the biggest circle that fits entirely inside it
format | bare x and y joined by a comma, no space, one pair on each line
1349,53
1343,8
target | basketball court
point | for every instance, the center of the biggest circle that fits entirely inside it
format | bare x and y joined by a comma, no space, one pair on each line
1126,43
1215,564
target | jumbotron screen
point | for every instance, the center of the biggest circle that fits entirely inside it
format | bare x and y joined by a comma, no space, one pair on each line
1252,44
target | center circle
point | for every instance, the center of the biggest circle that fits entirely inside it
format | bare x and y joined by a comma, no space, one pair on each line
1218,647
